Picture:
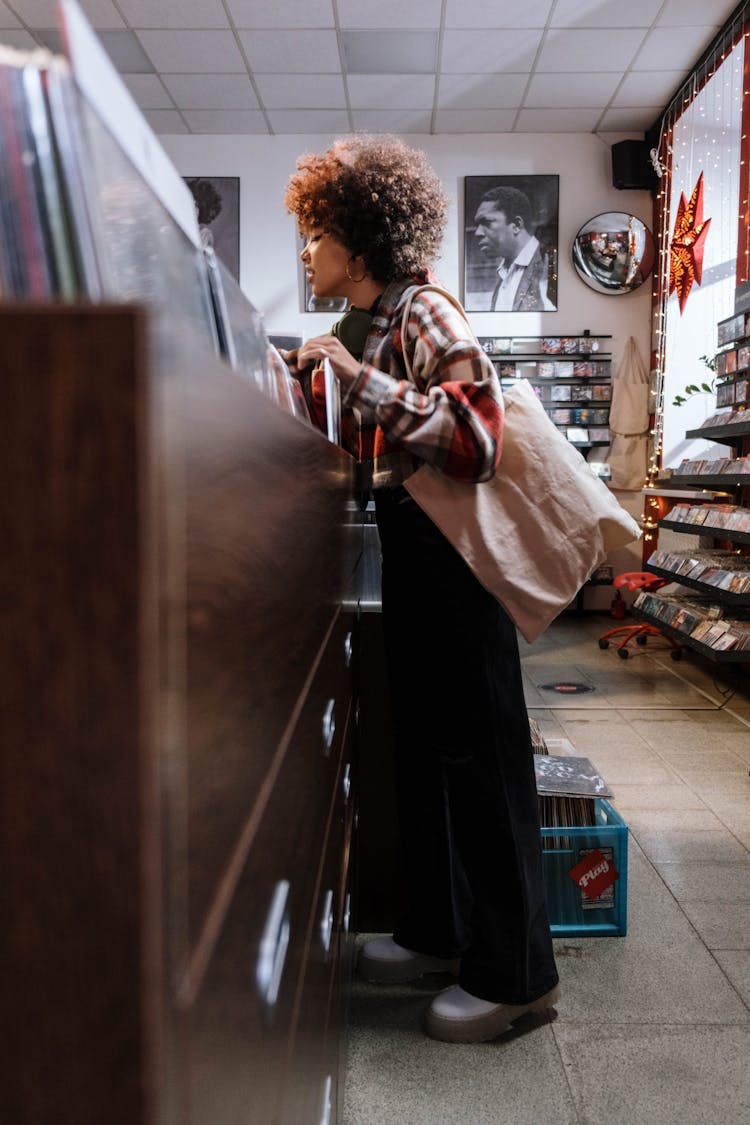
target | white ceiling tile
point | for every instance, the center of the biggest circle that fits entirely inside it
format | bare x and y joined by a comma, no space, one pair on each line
284,52
391,14
38,13
148,91
174,13
648,88
7,18
571,91
224,121
313,91
204,52
474,120
475,52
392,121
606,13
584,51
481,91
392,91
684,13
43,13
557,120
309,120
285,15
21,40
670,47
409,51
629,120
165,121
211,91
490,13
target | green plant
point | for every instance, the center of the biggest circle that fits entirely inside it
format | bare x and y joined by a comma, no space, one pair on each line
698,388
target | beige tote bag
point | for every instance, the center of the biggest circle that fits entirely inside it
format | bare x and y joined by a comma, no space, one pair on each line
534,533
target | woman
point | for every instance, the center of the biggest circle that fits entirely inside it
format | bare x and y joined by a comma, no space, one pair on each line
372,214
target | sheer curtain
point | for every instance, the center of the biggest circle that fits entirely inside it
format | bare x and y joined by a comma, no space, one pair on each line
705,137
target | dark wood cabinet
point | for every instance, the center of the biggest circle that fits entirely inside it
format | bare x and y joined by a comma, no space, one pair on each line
180,607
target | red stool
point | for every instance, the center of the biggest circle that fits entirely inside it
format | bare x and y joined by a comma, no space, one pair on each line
638,580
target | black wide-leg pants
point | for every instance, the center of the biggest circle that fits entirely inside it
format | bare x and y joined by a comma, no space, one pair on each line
467,804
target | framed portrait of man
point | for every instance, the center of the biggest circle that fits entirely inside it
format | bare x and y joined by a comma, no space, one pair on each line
511,243
217,201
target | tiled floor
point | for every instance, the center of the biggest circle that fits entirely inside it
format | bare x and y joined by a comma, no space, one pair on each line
653,1028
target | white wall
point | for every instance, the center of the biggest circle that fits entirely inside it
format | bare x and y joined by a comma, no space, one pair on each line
269,269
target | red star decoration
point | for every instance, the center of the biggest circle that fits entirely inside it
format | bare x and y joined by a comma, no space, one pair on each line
688,244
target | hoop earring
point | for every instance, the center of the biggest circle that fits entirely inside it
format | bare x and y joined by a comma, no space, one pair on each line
356,280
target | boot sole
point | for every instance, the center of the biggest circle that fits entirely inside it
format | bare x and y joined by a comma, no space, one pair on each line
480,1029
400,972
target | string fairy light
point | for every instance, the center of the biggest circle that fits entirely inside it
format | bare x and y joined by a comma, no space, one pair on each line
695,132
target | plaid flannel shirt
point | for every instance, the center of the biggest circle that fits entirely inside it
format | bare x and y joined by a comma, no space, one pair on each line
450,416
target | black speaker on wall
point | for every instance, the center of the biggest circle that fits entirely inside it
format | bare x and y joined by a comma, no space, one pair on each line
631,166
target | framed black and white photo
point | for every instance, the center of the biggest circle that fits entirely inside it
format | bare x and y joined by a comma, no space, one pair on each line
511,243
217,199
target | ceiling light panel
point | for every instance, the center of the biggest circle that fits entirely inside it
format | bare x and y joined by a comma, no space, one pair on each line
390,52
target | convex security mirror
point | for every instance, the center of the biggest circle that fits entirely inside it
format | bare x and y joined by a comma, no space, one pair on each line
613,252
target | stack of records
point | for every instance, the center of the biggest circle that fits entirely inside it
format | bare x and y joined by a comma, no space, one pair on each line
567,785
46,245
92,208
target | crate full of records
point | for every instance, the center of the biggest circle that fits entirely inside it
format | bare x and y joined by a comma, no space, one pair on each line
584,849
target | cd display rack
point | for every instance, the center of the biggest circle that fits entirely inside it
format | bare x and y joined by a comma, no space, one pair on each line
712,614
571,375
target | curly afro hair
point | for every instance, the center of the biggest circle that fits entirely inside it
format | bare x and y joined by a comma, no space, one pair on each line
378,197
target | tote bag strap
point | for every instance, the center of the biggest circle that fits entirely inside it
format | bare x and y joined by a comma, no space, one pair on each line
407,311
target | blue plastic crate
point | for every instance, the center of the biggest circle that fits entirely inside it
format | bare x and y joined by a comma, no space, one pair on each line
571,913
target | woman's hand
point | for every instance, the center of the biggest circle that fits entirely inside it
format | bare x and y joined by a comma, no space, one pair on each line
345,367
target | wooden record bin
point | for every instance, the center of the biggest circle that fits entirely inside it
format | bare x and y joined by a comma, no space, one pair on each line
178,558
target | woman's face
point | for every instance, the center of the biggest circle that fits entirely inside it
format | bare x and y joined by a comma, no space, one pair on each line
326,261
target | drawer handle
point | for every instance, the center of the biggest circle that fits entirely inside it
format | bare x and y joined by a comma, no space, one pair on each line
273,946
326,921
346,781
348,649
347,913
325,1116
329,725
